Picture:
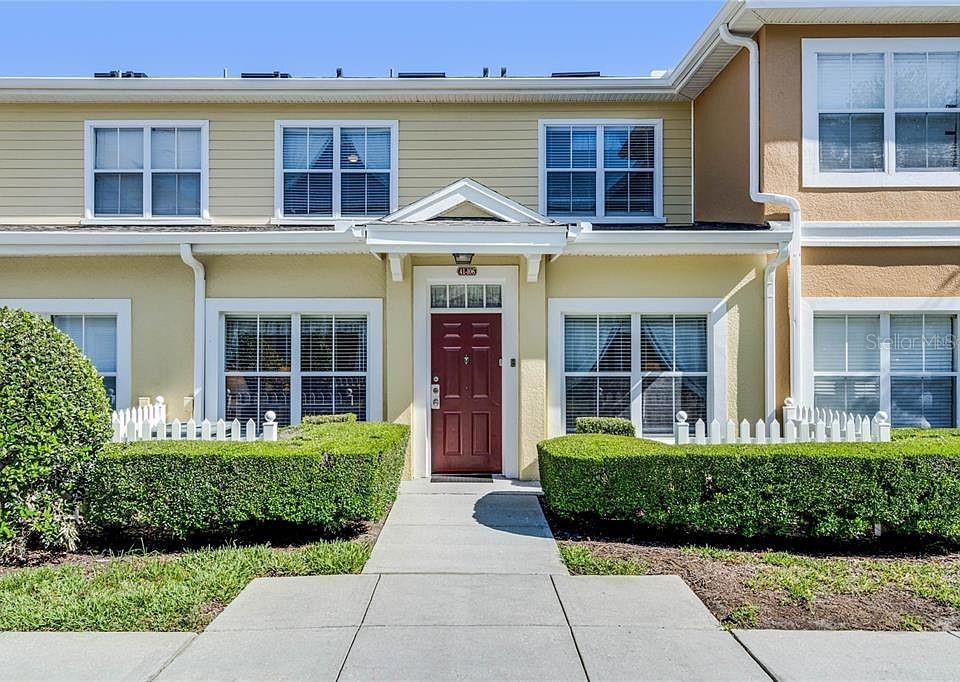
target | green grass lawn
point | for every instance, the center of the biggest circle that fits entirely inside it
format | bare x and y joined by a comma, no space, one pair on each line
154,592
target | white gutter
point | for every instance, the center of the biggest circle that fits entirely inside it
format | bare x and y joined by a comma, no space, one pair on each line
770,273
199,303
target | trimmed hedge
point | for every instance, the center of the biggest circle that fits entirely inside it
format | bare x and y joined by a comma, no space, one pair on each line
910,486
54,416
612,426
326,476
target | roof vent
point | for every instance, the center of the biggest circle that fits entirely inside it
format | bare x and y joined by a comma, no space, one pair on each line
486,72
119,74
503,72
575,74
339,72
264,74
421,74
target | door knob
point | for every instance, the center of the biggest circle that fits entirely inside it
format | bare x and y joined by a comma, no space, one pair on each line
466,359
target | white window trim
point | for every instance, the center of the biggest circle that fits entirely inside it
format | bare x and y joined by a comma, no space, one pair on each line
715,309
600,218
874,306
218,308
507,276
281,219
889,177
118,307
89,159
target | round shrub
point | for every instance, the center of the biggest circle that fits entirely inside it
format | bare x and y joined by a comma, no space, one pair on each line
54,416
612,426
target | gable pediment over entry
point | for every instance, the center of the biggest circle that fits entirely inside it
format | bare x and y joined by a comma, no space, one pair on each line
466,199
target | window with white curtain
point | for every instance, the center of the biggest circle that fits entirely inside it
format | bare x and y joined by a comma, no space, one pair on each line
607,171
904,364
334,169
601,372
146,169
295,365
881,111
96,336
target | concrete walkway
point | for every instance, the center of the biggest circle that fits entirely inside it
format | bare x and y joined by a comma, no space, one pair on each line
466,583
479,527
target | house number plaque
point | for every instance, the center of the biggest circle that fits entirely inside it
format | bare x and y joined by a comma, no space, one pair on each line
467,271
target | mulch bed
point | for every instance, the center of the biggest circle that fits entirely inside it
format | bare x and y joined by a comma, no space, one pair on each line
722,586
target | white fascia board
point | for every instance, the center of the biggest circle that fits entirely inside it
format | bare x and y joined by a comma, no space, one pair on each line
79,242
880,234
466,190
329,89
478,241
678,242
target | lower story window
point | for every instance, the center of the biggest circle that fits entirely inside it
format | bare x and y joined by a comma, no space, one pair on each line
96,336
601,372
904,364
295,365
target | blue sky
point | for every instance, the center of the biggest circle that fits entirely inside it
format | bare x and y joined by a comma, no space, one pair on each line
365,38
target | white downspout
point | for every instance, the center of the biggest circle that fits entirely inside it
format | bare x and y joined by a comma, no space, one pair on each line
199,302
792,249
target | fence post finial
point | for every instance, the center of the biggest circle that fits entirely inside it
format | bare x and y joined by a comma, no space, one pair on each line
883,427
270,427
681,430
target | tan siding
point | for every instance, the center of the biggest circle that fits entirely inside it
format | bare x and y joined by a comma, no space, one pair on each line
41,151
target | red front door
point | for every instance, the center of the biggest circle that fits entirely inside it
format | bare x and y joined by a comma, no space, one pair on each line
465,362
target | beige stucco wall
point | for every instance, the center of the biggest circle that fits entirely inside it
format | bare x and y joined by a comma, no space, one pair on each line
160,290
737,279
41,151
721,153
781,134
881,272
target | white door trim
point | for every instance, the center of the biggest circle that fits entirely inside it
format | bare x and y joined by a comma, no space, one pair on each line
507,277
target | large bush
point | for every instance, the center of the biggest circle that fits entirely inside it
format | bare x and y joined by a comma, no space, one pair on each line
54,415
910,486
327,476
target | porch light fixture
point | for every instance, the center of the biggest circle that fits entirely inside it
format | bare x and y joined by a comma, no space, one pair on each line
463,258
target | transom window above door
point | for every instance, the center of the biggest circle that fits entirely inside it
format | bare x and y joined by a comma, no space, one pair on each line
465,296
602,171
328,169
146,169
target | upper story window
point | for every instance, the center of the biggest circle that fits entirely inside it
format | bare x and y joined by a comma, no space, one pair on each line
336,169
602,171
881,112
146,169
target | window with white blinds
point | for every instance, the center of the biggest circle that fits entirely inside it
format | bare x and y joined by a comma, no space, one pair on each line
904,364
146,169
597,367
606,362
296,365
884,111
96,336
850,105
601,170
333,169
673,364
846,352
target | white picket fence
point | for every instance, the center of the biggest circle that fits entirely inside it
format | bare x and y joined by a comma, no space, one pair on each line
148,421
801,425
